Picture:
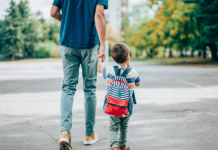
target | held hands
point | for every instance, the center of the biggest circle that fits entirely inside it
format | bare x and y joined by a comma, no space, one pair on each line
101,58
99,65
102,53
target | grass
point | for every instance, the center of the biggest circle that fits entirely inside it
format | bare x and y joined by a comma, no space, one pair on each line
174,61
180,61
33,60
163,61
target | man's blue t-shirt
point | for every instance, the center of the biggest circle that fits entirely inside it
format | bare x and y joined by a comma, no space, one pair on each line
78,22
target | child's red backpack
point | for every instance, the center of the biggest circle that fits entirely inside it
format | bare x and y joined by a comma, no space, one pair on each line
118,101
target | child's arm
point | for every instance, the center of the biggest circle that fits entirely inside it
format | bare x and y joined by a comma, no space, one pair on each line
100,64
137,79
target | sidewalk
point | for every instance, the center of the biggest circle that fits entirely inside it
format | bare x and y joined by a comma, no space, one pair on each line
176,110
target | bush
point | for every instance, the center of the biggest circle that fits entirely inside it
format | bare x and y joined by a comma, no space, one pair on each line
1,57
46,49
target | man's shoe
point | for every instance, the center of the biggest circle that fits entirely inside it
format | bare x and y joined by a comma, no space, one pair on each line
90,139
65,141
115,148
125,148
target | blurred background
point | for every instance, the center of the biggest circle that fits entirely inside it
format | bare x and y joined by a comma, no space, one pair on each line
173,45
159,31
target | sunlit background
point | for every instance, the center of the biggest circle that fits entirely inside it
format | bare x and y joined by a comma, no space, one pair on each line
182,31
173,47
40,5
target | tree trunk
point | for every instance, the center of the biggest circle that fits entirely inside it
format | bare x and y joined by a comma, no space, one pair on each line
213,52
199,53
171,53
205,53
192,52
151,53
181,54
164,52
136,53
12,58
186,50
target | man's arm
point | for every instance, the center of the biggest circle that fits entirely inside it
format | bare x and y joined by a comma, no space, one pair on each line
55,13
100,23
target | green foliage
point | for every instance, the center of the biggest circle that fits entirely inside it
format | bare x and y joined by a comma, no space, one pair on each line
45,49
176,25
22,31
53,32
207,16
28,27
12,37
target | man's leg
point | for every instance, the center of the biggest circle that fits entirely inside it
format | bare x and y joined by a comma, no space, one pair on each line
89,67
71,61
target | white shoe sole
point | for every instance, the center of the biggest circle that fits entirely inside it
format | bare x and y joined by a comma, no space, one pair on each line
90,142
64,139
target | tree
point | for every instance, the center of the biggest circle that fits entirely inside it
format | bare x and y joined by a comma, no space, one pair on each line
12,27
53,31
111,36
172,27
22,31
1,39
134,36
207,16
28,28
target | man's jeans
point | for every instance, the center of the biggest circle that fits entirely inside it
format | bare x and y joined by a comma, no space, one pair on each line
118,124
72,59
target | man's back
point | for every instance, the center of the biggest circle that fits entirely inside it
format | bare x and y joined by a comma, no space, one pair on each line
78,24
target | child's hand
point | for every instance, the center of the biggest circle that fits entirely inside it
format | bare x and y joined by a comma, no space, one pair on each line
100,64
137,84
128,65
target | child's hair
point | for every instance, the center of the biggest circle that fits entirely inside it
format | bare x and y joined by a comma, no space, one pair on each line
119,52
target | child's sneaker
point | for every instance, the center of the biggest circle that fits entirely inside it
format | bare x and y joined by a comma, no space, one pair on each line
125,148
90,139
65,141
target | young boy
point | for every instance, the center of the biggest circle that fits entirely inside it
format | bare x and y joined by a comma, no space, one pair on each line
120,54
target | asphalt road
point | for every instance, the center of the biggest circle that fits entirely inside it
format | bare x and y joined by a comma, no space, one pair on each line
177,108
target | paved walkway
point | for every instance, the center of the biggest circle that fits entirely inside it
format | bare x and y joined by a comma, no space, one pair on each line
177,108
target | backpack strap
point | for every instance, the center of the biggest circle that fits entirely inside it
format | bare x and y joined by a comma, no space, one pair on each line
134,99
117,70
126,71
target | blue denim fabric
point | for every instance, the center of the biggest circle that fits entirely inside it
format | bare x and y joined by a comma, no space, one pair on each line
72,59
118,124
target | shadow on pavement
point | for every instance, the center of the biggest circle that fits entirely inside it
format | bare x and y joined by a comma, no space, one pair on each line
187,126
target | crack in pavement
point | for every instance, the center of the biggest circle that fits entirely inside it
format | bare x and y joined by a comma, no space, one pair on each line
56,141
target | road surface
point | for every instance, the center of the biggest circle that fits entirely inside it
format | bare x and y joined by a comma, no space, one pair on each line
177,108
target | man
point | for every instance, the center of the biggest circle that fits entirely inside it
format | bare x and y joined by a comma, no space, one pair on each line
83,28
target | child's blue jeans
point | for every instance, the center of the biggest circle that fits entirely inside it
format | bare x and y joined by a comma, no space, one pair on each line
118,124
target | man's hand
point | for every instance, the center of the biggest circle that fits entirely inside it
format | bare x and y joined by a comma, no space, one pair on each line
102,53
